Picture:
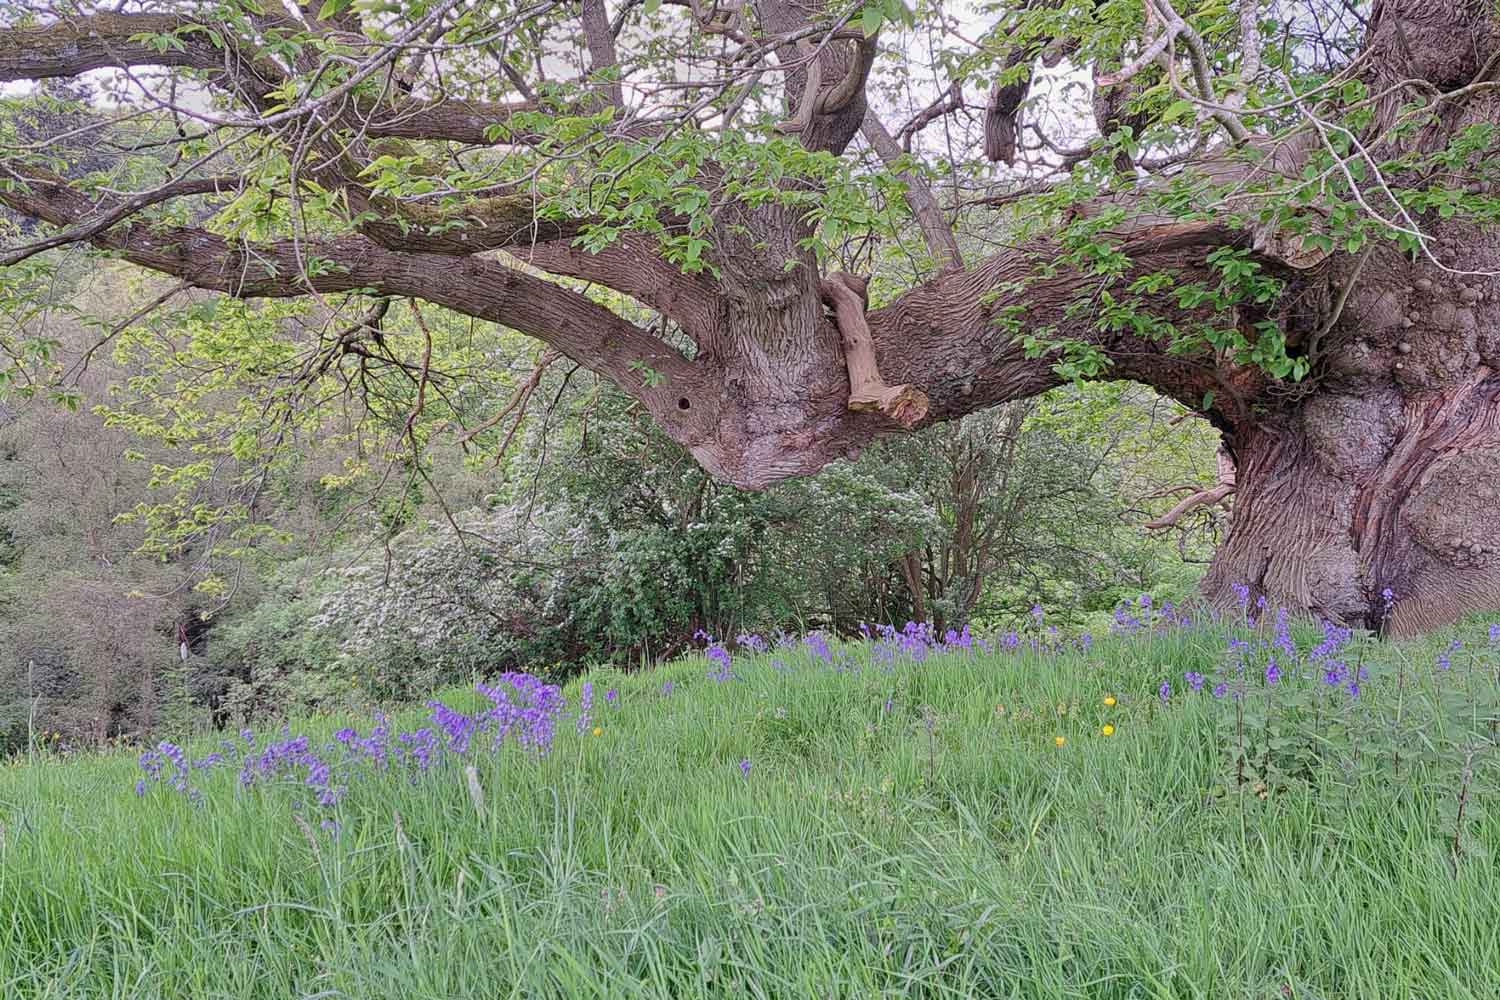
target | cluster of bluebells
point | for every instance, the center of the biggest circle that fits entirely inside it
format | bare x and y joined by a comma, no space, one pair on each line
719,656
1144,615
523,710
750,641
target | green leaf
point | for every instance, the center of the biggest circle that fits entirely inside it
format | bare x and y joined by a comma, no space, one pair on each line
871,18
1176,110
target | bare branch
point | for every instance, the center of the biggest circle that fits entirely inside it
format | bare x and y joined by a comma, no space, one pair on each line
941,242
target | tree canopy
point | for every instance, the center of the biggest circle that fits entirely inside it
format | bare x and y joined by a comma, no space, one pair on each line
1281,215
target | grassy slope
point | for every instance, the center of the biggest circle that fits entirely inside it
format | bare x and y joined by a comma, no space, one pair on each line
945,850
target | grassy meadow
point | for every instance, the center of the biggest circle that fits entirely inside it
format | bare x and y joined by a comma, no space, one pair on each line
1188,810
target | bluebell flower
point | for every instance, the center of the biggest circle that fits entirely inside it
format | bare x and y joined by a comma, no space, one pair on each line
751,641
745,766
719,656
1194,680
1164,692
1283,637
818,643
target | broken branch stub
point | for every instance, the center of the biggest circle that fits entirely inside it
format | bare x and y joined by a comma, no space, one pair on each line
903,404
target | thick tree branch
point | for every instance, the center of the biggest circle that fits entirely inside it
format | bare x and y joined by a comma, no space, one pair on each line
632,265
584,330
113,216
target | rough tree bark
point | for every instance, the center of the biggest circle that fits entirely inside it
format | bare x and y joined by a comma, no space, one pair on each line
1380,473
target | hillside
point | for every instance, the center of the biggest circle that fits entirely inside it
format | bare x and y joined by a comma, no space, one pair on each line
1018,817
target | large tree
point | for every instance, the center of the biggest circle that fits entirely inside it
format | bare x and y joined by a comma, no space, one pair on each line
1282,215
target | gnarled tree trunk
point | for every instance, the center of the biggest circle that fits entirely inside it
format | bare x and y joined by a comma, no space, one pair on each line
1386,477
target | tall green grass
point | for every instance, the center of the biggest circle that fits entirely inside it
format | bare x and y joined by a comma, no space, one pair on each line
947,847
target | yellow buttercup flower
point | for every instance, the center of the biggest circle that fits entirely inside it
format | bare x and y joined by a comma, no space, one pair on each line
1109,699
598,730
1059,740
1108,730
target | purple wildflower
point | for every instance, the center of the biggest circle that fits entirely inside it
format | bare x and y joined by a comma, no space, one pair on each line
1273,672
456,726
751,641
585,705
818,643
666,687
718,655
1164,692
1334,639
916,640
745,766
612,696
525,706
1194,680
1283,639
1220,689
1125,622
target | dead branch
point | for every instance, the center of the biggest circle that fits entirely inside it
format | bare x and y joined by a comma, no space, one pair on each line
904,404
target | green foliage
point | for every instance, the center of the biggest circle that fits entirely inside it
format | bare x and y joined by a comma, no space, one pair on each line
265,663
